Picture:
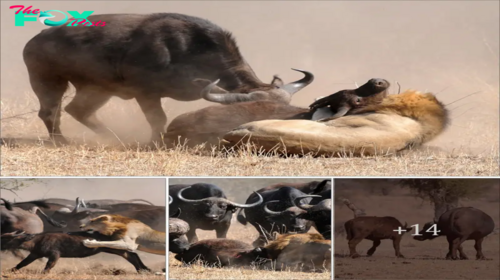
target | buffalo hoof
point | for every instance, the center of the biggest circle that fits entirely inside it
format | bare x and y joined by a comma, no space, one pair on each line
464,257
400,256
480,258
59,141
354,256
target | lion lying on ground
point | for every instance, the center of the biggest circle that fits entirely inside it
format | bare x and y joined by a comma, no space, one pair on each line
129,234
399,122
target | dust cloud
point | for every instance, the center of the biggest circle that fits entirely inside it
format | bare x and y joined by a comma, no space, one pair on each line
150,189
449,48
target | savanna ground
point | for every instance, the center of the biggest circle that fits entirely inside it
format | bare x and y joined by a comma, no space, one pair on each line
237,190
100,266
453,53
423,259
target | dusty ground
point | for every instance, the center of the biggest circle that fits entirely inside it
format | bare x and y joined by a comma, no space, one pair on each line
424,259
453,52
237,190
101,266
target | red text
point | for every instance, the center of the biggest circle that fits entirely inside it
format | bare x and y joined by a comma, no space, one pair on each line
84,22
25,10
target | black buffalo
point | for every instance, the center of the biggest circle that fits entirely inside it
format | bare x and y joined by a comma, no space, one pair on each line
204,206
458,225
318,212
278,213
141,57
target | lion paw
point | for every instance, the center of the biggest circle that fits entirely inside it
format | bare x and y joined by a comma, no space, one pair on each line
90,243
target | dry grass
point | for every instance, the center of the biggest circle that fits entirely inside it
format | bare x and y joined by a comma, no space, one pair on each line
102,160
424,259
244,233
88,156
97,267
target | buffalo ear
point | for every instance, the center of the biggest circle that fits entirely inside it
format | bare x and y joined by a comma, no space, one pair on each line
277,81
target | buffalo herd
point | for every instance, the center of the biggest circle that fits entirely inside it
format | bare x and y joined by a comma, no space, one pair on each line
282,214
186,58
52,228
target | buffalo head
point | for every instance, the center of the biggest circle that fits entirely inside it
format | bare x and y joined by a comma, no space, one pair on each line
13,240
346,101
320,214
427,233
215,208
288,218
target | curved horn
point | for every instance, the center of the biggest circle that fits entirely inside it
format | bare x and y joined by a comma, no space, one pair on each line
82,203
7,204
341,112
179,195
51,221
176,214
140,200
227,98
306,207
271,211
170,199
75,210
293,87
13,234
249,205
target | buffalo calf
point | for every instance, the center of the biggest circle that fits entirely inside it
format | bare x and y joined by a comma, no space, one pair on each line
219,252
62,245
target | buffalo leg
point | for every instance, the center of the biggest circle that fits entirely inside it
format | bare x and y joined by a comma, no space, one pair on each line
221,231
479,249
376,243
395,244
449,255
29,259
191,235
132,258
463,256
50,91
156,117
51,262
83,108
352,247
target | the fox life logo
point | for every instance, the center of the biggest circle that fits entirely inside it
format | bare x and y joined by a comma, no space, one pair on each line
24,14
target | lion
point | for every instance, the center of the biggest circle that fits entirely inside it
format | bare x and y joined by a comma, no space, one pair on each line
399,122
128,234
309,251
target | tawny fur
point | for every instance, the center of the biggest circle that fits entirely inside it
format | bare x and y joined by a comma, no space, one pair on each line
310,251
128,231
309,256
274,248
399,122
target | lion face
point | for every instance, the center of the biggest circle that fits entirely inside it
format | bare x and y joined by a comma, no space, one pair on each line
99,224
